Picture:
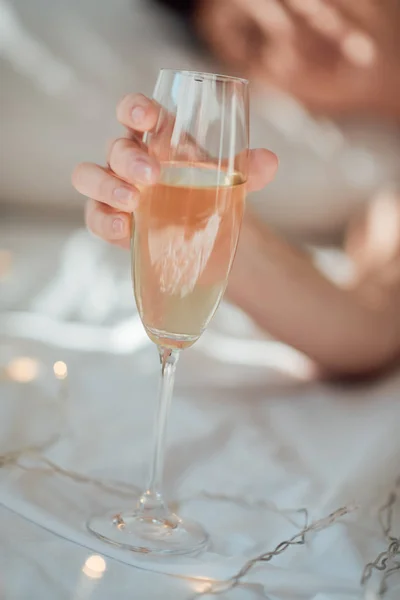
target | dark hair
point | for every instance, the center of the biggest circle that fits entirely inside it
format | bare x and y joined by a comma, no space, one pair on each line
183,8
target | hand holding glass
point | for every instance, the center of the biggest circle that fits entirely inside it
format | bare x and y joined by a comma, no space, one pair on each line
185,235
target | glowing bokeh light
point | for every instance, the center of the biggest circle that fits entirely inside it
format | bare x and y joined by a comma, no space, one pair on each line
201,586
94,566
60,369
23,369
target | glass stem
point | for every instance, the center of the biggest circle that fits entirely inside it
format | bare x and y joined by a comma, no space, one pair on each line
151,503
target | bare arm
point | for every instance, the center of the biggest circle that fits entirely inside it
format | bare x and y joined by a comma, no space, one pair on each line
346,331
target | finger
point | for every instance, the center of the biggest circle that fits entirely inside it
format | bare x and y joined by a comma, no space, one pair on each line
125,243
318,31
367,15
140,114
263,166
242,32
99,183
271,17
319,15
264,163
137,112
330,22
132,163
106,223
134,142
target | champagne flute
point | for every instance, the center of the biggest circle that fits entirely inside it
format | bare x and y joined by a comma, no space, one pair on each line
184,240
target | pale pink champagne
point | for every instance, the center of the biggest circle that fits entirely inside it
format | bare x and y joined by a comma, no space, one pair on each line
185,237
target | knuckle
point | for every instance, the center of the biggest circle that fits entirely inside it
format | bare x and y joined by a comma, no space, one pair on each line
121,104
117,148
122,153
105,188
110,145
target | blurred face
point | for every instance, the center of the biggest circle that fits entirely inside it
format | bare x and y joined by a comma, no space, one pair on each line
333,55
232,31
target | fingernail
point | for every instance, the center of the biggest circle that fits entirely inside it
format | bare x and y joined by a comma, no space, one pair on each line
118,226
142,171
123,196
137,115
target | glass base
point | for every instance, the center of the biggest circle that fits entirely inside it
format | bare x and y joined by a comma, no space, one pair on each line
147,535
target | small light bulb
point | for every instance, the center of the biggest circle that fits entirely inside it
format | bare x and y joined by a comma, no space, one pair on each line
23,369
94,567
60,369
